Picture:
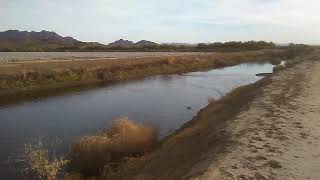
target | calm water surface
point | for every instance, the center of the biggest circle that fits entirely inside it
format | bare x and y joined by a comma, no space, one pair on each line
160,100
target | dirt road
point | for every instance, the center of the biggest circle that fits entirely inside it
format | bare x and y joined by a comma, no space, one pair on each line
270,132
278,136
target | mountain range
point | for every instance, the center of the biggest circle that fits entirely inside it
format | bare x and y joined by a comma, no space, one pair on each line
14,40
127,43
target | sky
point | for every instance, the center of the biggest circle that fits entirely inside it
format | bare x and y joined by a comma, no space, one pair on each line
167,21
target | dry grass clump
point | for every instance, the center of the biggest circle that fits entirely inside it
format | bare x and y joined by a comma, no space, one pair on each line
123,139
292,62
38,159
172,60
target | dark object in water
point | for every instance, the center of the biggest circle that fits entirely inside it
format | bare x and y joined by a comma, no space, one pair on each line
189,107
263,74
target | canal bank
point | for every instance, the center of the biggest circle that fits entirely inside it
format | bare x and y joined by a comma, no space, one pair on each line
258,131
205,84
165,102
28,80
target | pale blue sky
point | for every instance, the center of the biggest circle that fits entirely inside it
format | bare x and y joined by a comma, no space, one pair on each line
189,21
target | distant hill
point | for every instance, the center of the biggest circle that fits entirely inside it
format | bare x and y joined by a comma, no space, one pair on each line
121,43
34,41
13,40
145,43
130,44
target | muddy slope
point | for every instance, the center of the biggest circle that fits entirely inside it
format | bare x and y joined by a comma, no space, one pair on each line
270,132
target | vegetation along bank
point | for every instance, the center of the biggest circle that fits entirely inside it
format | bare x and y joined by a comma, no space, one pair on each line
25,79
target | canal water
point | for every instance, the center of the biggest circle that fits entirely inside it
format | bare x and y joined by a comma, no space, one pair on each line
166,102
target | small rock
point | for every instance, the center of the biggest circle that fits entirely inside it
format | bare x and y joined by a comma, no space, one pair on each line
274,164
234,167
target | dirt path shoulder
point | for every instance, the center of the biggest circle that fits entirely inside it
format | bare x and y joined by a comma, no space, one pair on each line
278,136
269,130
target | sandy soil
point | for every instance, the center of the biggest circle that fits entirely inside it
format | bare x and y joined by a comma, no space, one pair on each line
270,132
278,136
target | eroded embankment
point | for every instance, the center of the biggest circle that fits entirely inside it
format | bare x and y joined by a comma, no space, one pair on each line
259,131
19,80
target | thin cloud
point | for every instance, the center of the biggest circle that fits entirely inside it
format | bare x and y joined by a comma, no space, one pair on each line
168,20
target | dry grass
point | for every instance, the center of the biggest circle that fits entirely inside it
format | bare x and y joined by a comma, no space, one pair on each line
123,139
33,74
20,81
37,157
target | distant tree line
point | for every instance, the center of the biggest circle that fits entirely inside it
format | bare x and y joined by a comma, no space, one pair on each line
202,47
206,47
234,46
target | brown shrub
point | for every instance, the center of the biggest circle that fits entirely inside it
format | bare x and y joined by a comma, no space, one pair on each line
123,139
38,159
